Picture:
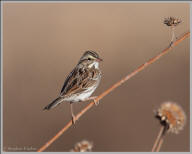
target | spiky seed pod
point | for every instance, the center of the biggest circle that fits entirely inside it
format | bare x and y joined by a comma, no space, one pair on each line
172,116
172,21
83,146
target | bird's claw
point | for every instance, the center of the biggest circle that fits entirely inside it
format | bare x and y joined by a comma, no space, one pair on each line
73,120
171,44
96,102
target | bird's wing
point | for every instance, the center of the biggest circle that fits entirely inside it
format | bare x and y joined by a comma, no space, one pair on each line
79,80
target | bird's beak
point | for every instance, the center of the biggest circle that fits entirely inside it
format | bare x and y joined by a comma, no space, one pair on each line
99,59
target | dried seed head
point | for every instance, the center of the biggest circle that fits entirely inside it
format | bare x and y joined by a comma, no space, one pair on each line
83,146
172,116
172,21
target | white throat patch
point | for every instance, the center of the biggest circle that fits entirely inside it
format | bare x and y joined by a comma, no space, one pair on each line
96,64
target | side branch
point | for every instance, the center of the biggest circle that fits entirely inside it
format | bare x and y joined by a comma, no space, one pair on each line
106,92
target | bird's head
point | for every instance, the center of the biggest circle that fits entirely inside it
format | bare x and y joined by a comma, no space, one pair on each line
90,58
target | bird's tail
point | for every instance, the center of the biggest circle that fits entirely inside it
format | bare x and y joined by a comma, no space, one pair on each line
56,102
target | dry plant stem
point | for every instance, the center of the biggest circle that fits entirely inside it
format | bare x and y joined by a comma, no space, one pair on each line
172,35
106,92
158,138
160,144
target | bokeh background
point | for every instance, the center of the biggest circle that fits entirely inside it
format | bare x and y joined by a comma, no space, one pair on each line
43,42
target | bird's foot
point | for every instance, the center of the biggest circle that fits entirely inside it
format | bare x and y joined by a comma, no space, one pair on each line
94,98
96,102
171,44
73,119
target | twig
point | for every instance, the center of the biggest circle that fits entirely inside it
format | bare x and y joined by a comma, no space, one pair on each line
158,138
172,34
106,92
160,144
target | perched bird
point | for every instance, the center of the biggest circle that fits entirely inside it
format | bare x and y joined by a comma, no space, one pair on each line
81,82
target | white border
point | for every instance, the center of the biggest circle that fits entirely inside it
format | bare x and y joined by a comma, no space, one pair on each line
190,106
97,1
1,76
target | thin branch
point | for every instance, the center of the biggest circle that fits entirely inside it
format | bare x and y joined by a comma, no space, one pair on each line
160,144
106,92
158,138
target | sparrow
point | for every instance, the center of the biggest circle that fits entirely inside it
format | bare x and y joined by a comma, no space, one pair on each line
80,83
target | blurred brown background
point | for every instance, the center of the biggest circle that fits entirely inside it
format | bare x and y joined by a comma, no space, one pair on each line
43,42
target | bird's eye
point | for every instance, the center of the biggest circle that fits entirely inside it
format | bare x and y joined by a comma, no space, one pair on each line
89,58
